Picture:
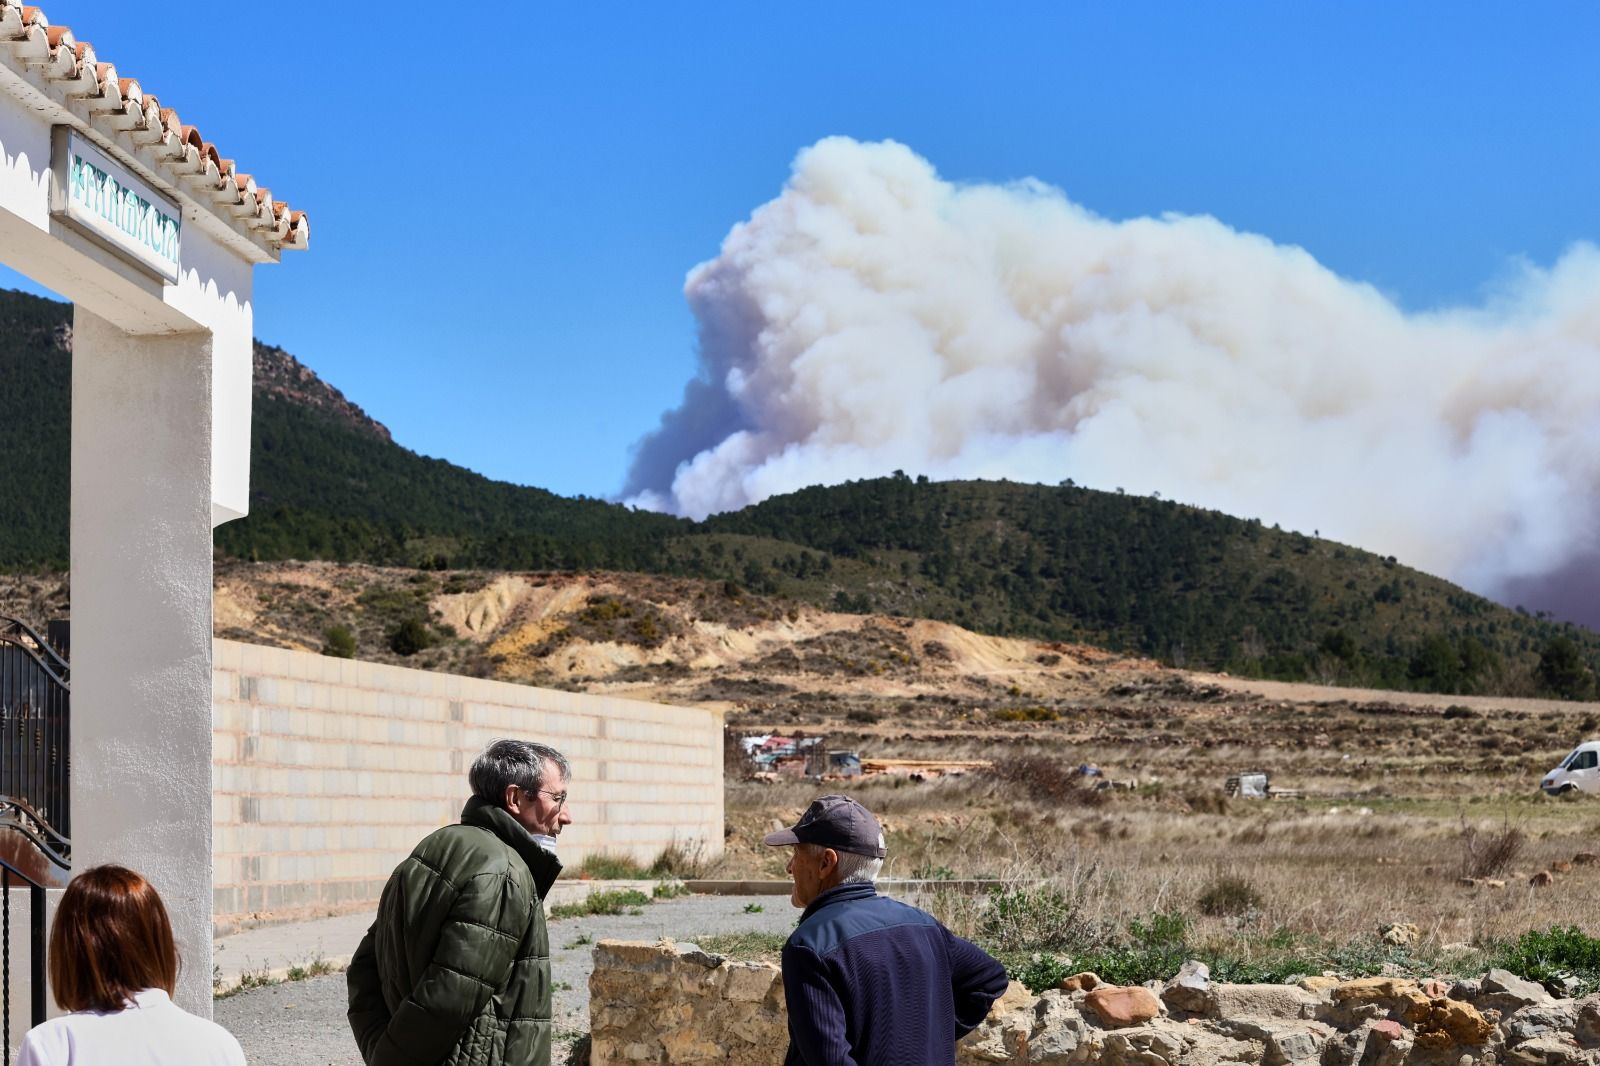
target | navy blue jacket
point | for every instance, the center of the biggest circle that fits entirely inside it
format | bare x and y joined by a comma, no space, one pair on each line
871,981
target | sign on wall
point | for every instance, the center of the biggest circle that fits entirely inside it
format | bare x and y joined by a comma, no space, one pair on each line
101,198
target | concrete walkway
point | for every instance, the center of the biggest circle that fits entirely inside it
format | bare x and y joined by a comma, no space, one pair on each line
268,953
302,1022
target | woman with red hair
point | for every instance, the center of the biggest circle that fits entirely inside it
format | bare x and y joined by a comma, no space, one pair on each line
113,964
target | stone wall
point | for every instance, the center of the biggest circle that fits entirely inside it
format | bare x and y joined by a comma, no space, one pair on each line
673,1003
667,1002
326,772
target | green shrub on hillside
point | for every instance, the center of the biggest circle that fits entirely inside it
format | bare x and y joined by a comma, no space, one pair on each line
410,637
339,642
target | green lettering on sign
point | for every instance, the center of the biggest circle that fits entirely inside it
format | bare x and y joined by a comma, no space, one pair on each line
105,197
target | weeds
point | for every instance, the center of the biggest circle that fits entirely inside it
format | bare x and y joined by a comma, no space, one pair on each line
1034,713
616,901
682,859
929,872
1042,779
669,890
1154,948
753,908
1554,956
1228,896
602,867
751,947
1031,917
263,977
1487,853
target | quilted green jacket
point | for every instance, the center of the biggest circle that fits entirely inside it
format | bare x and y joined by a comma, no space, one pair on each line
455,971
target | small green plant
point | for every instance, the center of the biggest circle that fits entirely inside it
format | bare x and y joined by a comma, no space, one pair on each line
603,867
1034,713
753,908
339,642
580,940
616,901
1043,972
670,890
1554,955
929,872
1170,929
562,986
1228,896
1030,917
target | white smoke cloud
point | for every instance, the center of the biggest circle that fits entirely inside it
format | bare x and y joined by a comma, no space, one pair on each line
876,317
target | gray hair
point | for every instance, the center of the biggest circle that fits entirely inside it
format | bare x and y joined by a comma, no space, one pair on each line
854,868
512,762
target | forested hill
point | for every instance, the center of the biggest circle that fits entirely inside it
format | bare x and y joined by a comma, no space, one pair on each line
1189,586
326,480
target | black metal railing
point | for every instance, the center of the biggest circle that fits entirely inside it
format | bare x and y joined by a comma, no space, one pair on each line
11,877
35,814
35,698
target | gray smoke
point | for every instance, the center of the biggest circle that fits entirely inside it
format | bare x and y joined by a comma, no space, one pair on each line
875,317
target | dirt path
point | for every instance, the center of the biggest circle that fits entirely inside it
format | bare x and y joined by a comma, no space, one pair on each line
1292,692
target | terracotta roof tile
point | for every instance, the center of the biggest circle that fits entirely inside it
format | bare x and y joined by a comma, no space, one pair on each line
118,108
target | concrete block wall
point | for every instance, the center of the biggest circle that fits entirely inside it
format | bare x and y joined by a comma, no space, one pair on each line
326,772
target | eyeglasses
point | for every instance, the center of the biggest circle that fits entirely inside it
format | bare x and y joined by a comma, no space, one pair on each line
559,797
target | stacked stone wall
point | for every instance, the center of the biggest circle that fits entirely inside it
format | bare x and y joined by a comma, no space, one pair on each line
667,1002
672,1003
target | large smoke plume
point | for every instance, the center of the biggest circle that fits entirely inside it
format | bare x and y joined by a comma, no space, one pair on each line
875,317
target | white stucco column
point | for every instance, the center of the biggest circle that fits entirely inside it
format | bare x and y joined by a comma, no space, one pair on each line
141,620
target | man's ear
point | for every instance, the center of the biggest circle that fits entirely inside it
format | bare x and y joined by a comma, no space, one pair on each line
512,803
827,863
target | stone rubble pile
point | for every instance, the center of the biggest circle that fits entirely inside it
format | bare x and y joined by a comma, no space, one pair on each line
1322,1021
673,1003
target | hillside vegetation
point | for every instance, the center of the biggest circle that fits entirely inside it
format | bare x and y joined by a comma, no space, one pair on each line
1188,586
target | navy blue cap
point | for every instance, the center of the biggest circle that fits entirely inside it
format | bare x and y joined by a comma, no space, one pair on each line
836,822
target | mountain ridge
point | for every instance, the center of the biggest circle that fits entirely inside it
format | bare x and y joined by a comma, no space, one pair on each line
1152,577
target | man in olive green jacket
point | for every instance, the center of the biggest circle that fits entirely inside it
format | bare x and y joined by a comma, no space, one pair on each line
455,970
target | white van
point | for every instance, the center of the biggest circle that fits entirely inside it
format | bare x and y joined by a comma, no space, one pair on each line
1580,771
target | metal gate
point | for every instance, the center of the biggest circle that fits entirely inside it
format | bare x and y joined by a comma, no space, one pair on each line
35,817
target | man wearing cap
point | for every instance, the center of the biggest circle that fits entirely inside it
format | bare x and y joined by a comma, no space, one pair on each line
868,979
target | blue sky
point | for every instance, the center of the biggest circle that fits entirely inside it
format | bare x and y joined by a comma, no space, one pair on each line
505,201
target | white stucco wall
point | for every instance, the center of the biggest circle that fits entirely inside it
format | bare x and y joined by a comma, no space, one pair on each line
328,772
141,621
161,385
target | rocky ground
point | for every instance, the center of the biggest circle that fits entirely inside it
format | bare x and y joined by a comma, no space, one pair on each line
1382,1021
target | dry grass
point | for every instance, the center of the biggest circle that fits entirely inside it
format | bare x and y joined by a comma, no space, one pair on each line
1398,797
1489,852
1319,872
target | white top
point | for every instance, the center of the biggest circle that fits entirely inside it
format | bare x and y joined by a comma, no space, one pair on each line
152,1031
